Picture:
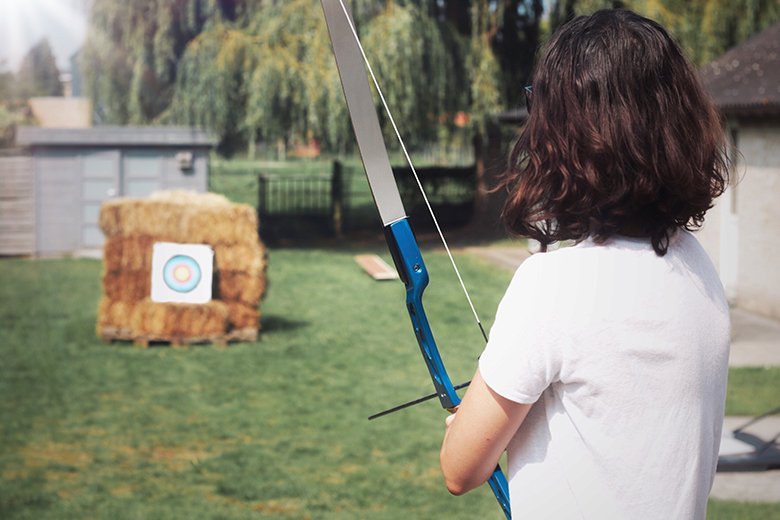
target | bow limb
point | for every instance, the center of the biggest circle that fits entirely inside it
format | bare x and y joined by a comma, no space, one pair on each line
403,246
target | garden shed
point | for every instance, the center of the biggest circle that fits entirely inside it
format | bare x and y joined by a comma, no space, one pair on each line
71,172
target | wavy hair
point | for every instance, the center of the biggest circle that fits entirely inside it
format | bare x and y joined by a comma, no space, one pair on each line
621,139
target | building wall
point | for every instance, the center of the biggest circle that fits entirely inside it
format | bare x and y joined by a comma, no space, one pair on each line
709,234
61,112
758,200
741,233
72,183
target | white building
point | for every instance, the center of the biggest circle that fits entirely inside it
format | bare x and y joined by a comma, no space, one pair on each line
742,231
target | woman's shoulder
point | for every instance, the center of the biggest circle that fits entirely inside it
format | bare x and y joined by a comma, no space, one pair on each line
580,255
588,264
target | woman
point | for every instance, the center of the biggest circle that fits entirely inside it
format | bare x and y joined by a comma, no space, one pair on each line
605,375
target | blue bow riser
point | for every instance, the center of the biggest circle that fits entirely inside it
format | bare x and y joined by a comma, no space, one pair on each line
411,268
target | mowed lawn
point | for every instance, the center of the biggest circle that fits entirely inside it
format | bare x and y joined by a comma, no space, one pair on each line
272,429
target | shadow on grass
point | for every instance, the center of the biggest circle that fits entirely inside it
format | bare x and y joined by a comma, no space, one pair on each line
271,323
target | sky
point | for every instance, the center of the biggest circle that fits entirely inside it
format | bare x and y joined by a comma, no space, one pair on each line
23,23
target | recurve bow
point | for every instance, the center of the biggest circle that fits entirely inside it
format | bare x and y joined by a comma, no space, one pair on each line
350,59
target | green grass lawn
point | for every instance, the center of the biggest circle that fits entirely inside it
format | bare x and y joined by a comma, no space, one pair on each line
273,429
753,391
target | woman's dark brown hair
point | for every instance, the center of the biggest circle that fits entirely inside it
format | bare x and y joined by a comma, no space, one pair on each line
621,138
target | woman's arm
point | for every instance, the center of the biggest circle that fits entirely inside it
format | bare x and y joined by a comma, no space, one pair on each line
477,435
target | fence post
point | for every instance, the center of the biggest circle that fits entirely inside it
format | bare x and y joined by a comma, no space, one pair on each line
262,185
337,197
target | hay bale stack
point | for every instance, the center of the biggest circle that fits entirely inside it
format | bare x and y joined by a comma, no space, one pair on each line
133,226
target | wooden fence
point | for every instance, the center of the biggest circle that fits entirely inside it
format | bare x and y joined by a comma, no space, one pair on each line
17,206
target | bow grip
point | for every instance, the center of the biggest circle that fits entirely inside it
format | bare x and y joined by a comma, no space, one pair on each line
500,487
411,268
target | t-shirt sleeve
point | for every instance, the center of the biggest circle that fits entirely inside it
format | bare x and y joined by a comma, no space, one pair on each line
524,353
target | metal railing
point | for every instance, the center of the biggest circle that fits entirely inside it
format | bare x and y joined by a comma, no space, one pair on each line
286,201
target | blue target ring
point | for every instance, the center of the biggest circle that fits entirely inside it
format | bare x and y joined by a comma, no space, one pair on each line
181,273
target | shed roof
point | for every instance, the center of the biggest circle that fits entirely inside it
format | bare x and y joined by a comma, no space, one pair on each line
151,136
746,79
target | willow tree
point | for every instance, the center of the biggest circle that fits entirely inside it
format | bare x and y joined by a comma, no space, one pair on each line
295,91
293,88
278,81
704,28
264,76
420,63
268,72
132,51
708,28
210,86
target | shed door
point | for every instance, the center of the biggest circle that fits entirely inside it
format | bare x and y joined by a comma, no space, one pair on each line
99,182
58,202
141,173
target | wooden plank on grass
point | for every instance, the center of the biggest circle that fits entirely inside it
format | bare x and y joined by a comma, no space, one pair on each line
376,268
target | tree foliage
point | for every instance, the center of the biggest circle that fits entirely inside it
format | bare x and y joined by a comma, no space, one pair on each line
708,28
38,74
210,90
131,55
7,86
263,69
421,66
291,89
705,28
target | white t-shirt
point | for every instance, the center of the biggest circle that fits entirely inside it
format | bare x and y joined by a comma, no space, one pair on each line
625,354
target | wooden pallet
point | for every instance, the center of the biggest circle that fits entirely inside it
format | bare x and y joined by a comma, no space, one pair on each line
376,268
110,334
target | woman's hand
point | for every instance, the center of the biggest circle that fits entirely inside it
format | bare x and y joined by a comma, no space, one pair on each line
477,435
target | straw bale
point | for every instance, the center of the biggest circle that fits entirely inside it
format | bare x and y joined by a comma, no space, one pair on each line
237,286
109,219
132,217
190,198
247,256
132,226
174,320
127,286
132,253
115,314
181,217
249,334
242,316
234,224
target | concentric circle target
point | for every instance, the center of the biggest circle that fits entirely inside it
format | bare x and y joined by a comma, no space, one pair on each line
181,273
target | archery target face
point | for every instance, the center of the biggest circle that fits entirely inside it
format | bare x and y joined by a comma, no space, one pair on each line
182,273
